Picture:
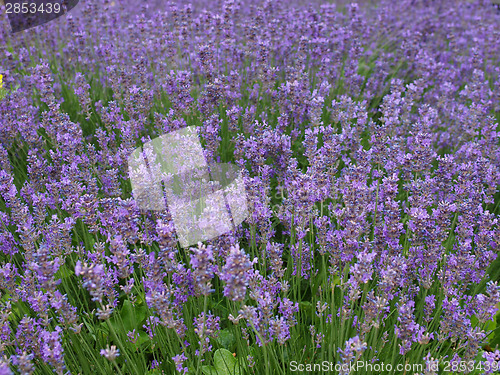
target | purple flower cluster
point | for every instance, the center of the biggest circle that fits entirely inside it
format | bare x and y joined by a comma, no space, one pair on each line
367,136
236,273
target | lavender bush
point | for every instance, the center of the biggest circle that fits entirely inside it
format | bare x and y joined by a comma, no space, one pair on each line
368,138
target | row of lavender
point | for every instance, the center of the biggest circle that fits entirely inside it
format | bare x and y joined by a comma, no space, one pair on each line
367,134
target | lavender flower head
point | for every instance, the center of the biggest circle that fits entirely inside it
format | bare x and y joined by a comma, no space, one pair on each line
236,273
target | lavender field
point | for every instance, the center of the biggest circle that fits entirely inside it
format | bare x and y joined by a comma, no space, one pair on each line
367,135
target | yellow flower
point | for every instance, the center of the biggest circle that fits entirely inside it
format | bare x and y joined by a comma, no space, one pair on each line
3,92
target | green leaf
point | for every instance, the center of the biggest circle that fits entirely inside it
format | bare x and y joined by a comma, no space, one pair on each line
494,338
226,363
226,339
132,316
491,325
209,370
143,338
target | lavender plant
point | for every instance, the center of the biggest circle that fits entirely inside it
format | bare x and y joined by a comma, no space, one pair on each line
367,135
